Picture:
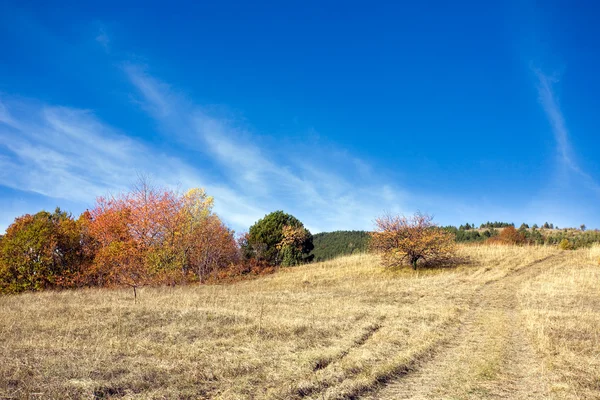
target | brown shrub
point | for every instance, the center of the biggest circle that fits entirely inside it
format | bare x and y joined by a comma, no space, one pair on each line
402,240
508,236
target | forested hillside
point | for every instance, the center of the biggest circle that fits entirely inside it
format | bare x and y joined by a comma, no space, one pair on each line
329,245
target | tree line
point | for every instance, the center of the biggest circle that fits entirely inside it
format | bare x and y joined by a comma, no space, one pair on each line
151,235
548,234
147,235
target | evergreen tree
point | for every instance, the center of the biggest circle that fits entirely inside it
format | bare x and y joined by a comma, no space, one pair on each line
266,240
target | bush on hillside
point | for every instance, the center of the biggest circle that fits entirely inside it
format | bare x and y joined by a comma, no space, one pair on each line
471,235
534,236
401,240
509,235
565,245
576,238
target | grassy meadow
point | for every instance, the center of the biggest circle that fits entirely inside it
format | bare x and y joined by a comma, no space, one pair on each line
561,307
340,329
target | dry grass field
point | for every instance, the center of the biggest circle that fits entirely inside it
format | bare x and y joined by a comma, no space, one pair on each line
513,322
561,309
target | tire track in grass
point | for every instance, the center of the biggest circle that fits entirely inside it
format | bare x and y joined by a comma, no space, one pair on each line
487,356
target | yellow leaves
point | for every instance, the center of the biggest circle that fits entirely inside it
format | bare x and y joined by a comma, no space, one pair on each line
198,203
292,237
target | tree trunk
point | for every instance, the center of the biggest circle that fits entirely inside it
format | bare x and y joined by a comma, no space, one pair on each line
413,261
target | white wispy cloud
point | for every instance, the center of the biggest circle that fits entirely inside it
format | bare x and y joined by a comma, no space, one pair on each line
565,153
265,177
71,154
68,153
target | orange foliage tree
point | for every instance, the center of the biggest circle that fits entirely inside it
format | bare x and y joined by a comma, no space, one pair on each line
407,240
119,258
509,235
152,235
213,248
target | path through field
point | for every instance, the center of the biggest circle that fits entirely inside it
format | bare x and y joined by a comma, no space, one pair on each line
488,356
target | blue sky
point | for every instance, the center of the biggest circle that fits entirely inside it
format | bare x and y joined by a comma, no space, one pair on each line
334,112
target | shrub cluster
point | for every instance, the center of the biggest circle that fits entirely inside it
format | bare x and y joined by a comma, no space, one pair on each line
549,234
567,239
575,238
509,235
470,235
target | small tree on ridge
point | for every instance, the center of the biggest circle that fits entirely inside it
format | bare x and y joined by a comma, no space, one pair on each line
402,240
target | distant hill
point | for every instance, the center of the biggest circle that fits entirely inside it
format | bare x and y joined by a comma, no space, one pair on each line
329,245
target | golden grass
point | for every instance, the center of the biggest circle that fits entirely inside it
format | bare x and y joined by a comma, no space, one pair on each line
562,310
330,330
488,354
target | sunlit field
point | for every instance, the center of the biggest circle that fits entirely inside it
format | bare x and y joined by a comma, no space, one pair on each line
340,329
562,311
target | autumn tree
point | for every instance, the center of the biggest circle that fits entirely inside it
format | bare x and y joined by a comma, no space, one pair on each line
213,247
41,251
202,243
154,235
135,233
407,240
509,235
120,256
266,242
193,211
293,246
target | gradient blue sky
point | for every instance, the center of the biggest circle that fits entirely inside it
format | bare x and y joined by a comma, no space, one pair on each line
334,112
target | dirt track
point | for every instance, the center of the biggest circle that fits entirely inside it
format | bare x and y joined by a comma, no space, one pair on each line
488,356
